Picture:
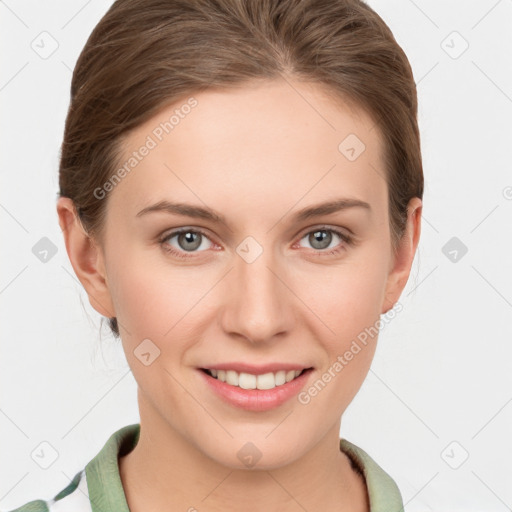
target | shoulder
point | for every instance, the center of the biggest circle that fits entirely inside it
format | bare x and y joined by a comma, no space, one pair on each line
73,498
98,482
33,506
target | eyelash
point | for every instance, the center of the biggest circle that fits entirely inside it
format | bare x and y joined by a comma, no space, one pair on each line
180,254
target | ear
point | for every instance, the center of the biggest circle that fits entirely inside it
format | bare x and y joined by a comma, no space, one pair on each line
86,257
404,256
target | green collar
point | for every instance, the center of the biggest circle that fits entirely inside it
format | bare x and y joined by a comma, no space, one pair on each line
106,491
383,493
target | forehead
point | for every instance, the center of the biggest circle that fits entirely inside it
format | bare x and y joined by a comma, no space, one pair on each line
266,141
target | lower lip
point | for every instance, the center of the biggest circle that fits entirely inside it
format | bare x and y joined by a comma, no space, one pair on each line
256,399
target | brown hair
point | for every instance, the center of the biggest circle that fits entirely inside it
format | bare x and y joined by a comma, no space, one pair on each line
144,55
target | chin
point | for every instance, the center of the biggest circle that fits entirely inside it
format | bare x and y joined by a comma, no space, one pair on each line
256,454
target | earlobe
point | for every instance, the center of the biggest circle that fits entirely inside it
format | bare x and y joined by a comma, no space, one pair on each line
86,257
404,256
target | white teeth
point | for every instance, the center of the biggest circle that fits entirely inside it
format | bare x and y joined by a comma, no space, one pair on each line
266,381
232,377
280,377
249,381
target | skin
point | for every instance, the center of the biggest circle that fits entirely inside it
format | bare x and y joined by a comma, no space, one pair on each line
256,154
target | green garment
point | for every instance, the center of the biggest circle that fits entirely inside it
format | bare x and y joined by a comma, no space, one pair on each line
98,487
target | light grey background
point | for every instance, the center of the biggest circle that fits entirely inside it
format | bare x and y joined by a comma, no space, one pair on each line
435,410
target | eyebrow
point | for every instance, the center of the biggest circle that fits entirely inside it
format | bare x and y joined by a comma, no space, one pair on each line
200,212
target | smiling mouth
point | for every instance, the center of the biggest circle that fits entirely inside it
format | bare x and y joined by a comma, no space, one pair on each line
245,380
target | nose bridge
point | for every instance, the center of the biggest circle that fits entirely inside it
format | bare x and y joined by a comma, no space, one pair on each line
257,301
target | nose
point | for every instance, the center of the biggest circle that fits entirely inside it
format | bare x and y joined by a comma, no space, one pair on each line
258,304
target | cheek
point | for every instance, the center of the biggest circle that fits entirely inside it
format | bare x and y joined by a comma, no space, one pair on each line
156,304
151,301
348,300
147,296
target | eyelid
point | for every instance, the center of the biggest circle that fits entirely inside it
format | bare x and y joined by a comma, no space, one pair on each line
347,239
185,229
327,227
305,231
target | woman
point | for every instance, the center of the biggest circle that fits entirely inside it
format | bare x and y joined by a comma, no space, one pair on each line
279,140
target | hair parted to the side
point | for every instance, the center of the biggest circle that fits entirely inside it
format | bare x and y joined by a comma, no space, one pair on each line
144,55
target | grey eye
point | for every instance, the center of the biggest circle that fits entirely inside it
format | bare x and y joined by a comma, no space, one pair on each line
320,239
189,240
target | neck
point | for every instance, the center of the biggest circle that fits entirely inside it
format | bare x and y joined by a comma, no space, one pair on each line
166,471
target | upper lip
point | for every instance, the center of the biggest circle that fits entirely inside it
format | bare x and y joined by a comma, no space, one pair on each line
256,369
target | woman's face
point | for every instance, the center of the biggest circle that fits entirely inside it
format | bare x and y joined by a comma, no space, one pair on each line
266,285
